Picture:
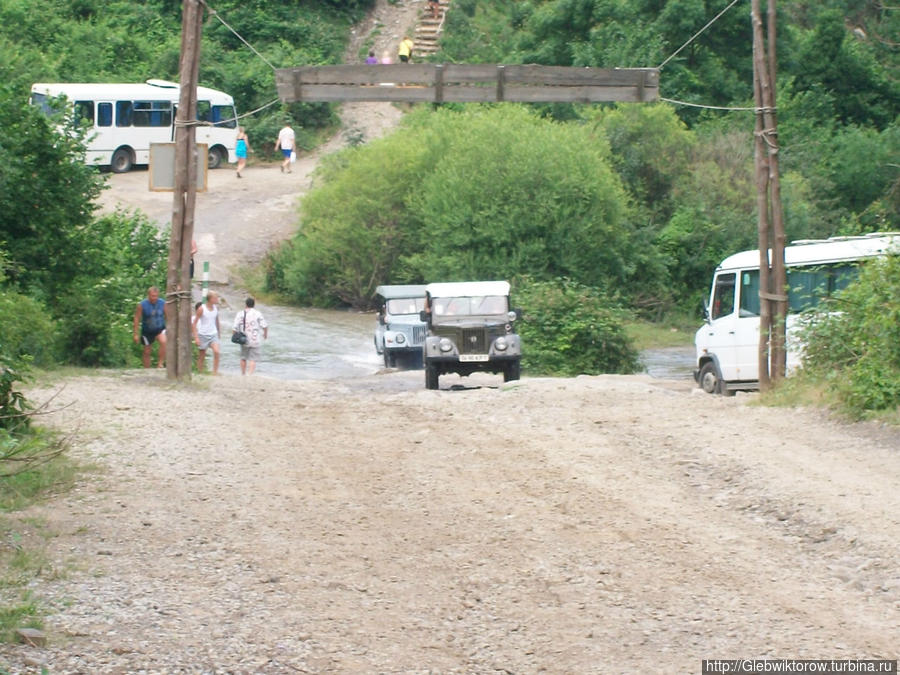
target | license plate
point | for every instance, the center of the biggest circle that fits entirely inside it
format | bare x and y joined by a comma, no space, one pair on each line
474,357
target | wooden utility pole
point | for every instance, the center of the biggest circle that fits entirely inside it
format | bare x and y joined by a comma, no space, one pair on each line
770,222
178,283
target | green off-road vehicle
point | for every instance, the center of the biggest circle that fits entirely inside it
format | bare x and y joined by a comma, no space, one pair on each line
470,329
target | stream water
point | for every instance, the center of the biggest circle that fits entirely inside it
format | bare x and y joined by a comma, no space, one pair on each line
319,344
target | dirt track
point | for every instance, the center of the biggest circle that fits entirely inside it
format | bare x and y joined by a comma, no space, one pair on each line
590,525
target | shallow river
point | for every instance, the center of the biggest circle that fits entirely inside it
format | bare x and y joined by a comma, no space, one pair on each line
318,344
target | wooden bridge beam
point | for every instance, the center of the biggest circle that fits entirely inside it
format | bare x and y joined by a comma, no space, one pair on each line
466,83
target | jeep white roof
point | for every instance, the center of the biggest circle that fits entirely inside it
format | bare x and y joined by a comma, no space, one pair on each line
467,289
401,291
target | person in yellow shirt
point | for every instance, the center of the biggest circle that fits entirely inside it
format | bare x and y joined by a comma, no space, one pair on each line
404,51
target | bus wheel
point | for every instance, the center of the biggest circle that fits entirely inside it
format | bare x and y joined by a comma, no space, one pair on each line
121,161
214,158
709,378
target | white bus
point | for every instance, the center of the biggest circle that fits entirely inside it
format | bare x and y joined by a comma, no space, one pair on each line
728,344
124,119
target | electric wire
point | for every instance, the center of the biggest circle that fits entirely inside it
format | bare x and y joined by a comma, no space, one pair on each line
238,35
718,107
697,34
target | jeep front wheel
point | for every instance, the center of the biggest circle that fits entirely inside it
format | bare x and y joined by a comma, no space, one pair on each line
431,377
511,372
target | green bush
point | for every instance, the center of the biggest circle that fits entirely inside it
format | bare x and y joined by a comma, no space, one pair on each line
27,329
13,404
855,349
486,193
96,308
570,329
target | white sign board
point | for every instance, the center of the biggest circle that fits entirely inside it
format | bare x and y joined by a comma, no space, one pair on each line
162,167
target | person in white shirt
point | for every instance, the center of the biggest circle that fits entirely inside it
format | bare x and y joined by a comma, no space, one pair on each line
286,143
207,330
254,326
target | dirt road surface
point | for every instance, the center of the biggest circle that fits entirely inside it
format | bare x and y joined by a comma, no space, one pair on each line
589,525
613,524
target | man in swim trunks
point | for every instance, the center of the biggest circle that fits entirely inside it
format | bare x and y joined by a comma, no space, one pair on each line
150,314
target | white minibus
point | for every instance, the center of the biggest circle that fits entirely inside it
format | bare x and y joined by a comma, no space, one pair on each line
727,345
124,119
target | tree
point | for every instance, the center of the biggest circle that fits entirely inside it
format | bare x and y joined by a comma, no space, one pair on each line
46,197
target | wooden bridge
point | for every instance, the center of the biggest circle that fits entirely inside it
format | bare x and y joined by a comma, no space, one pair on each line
466,83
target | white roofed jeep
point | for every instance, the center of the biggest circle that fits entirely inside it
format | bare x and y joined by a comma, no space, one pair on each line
470,329
399,330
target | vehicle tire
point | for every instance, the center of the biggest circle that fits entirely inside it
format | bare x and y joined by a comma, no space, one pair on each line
511,372
122,161
709,379
431,377
214,158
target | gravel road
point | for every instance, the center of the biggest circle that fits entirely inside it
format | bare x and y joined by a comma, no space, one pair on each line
614,524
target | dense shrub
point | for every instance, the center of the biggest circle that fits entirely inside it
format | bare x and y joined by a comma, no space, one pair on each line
27,329
13,404
95,310
855,349
570,329
486,193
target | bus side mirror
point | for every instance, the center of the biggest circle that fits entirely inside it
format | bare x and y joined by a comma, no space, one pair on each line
705,311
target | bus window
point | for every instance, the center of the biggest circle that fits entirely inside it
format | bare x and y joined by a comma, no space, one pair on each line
842,276
123,113
104,114
152,114
806,286
84,113
204,111
223,116
723,296
749,293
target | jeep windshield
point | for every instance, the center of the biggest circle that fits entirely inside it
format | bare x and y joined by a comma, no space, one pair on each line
397,306
479,305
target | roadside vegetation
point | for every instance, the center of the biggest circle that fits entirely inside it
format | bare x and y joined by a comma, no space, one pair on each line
32,466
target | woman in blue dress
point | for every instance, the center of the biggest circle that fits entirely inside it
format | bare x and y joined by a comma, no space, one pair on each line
241,148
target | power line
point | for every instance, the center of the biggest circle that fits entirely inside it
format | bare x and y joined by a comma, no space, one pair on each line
715,107
697,34
238,35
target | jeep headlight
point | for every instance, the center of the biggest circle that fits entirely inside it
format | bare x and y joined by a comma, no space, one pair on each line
446,345
400,338
500,344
